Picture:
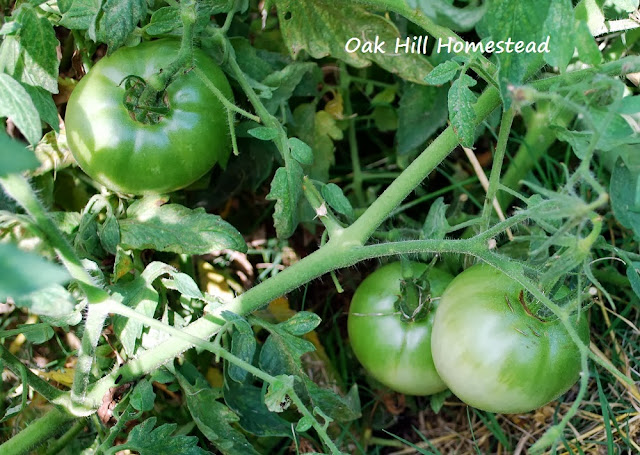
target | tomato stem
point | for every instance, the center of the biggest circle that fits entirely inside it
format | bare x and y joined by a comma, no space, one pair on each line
153,93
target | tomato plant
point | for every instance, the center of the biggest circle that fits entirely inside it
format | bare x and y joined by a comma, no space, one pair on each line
392,343
493,353
133,320
159,154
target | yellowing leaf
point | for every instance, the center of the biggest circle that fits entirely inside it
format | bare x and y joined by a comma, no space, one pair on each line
64,377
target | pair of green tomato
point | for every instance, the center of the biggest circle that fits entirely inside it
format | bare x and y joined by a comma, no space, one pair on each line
478,339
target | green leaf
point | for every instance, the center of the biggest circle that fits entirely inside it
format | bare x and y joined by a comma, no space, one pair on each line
9,28
629,105
211,7
14,157
30,56
81,14
385,118
22,273
319,130
515,20
43,101
119,19
334,196
340,409
243,345
37,334
628,6
586,44
321,29
304,424
300,151
560,25
445,14
422,112
590,11
53,301
214,419
140,295
175,228
19,108
247,402
633,270
264,133
184,284
164,20
284,82
146,440
435,226
442,73
625,193
436,401
463,117
109,233
286,189
301,323
143,396
281,352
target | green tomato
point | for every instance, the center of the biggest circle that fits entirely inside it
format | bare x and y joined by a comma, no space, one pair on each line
393,348
128,156
493,353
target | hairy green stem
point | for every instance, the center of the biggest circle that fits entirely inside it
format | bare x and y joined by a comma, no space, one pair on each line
345,82
37,432
415,173
498,157
49,392
158,82
19,189
223,99
66,438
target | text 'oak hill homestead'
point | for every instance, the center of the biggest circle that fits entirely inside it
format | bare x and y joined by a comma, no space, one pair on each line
418,45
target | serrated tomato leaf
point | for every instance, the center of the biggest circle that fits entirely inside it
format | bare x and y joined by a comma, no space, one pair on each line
321,29
178,229
286,189
463,117
147,440
214,419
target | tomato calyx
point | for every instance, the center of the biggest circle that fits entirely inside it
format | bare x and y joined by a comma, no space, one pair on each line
143,111
414,301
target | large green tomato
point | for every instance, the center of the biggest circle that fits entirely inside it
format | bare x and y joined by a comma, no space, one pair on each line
128,156
393,348
493,353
